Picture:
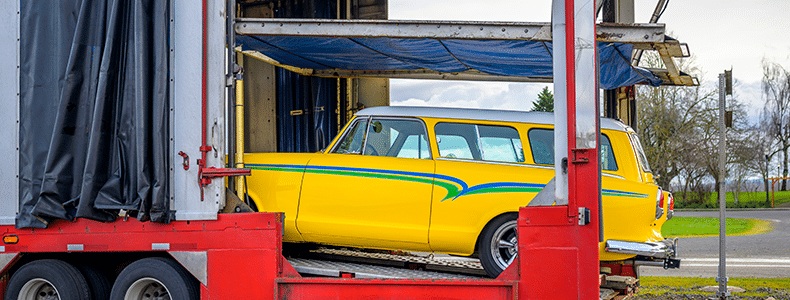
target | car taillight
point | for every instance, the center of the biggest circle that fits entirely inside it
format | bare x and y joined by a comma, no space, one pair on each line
659,204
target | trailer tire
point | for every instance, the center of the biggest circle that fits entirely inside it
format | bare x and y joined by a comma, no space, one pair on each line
52,277
495,256
160,278
98,283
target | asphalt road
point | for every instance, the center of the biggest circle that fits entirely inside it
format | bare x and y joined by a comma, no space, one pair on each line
762,255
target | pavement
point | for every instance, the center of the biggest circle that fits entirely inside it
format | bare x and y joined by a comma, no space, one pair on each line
764,255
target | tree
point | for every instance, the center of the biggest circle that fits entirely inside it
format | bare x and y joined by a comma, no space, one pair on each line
776,89
545,101
763,142
672,122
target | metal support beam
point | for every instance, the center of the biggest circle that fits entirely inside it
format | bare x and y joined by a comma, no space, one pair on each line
632,33
722,279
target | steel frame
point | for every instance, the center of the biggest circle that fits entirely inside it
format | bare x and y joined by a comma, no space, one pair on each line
409,29
647,36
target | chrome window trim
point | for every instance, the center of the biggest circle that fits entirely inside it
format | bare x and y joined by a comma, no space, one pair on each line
345,133
473,114
421,121
492,162
550,167
480,142
365,137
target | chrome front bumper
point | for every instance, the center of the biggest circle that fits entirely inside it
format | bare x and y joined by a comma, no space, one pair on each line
665,249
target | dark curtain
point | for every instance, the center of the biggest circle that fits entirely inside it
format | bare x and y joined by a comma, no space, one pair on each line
312,100
94,125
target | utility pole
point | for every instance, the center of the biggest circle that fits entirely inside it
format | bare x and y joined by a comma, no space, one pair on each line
725,87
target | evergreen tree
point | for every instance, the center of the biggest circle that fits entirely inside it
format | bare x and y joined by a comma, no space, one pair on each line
545,101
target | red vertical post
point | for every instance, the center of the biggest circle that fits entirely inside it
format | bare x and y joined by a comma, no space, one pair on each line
558,247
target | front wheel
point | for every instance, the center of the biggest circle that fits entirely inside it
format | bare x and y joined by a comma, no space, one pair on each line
155,278
498,245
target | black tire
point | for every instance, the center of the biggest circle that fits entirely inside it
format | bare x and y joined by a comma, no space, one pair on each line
51,278
494,255
251,203
98,283
155,277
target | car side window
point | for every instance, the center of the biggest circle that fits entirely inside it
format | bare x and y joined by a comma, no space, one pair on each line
479,142
397,138
352,140
541,141
415,146
500,143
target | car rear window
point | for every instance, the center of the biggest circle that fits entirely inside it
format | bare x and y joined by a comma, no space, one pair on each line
541,141
479,142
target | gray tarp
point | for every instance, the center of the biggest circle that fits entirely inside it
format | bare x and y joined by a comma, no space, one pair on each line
94,125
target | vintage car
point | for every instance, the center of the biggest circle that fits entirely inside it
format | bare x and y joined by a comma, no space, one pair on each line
450,181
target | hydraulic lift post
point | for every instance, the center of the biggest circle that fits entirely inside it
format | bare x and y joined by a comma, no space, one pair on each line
558,245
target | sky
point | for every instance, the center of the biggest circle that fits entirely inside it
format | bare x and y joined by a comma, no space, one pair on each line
720,34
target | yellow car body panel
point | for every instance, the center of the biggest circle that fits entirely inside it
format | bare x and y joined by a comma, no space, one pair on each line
346,202
275,188
440,204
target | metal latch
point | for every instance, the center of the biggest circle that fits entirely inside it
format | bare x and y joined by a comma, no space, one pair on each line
584,216
185,163
581,156
207,174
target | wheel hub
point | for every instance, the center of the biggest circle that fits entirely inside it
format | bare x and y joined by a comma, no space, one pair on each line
38,289
147,289
504,244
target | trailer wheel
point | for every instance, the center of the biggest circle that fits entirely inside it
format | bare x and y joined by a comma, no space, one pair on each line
155,278
498,245
47,279
98,283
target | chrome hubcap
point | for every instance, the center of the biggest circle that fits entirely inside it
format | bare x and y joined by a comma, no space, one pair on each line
504,244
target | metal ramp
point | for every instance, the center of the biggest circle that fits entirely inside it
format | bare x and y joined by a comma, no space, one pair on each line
325,268
329,262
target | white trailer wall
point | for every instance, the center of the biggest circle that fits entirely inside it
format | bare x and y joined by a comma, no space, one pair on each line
9,111
187,43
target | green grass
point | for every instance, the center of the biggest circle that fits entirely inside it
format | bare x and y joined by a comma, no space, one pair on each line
778,288
745,200
694,227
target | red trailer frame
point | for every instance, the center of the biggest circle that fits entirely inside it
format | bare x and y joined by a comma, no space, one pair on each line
239,256
243,258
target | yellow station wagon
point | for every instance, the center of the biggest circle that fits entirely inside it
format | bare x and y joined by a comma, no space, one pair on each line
450,181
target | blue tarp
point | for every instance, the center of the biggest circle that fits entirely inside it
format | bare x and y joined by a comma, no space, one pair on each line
496,57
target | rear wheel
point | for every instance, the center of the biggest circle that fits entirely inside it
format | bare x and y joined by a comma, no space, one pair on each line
47,279
155,278
98,283
498,246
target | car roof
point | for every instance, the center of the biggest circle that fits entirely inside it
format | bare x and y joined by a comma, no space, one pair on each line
533,117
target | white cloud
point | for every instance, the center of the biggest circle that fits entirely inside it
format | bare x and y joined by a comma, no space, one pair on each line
468,94
750,95
722,35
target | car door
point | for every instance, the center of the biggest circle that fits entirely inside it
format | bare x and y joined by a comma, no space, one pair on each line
373,189
480,174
